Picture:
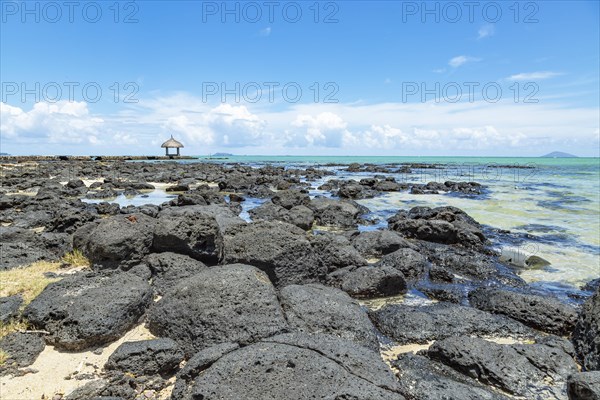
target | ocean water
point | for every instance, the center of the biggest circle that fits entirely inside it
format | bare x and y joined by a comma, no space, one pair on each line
551,206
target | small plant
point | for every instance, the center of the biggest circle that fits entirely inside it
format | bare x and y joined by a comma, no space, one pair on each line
76,259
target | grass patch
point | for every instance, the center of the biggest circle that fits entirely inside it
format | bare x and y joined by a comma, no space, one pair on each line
27,281
13,326
76,259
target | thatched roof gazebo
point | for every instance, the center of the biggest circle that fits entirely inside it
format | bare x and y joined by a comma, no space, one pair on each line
171,144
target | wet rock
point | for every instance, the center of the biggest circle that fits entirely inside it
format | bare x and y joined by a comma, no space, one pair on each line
75,184
102,194
290,198
379,243
447,225
336,213
107,306
423,379
320,309
468,266
420,324
146,357
116,241
195,231
371,282
586,336
169,269
584,386
592,285
319,367
9,307
177,188
533,371
336,251
231,303
449,293
540,312
22,349
389,186
353,190
409,262
281,250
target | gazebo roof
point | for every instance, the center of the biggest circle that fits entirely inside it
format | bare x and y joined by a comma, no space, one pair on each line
171,143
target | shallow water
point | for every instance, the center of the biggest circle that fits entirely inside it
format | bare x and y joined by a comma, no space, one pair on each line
552,207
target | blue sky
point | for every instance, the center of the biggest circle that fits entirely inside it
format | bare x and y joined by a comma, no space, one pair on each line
377,78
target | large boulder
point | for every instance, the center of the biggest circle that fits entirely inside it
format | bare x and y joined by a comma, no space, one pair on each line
21,349
532,371
540,312
373,281
116,241
447,225
290,198
421,324
467,265
281,250
586,336
294,366
336,251
146,357
584,386
231,303
379,243
300,215
423,379
316,308
89,309
409,262
336,213
196,231
169,269
198,363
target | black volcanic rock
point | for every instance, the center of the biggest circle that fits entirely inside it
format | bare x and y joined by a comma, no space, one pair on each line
107,306
230,303
586,336
540,312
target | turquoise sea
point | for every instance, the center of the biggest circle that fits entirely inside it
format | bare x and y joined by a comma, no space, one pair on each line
551,206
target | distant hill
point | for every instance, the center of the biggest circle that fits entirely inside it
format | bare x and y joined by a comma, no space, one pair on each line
559,154
222,155
4,154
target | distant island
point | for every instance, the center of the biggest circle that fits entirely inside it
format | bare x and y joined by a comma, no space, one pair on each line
559,154
222,155
4,154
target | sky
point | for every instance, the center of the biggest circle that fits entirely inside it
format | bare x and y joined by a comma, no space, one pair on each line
407,78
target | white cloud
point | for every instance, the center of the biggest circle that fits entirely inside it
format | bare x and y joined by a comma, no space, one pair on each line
486,31
265,32
461,60
325,129
533,76
60,122
357,128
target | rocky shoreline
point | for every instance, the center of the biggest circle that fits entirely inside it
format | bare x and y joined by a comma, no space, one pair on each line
283,306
